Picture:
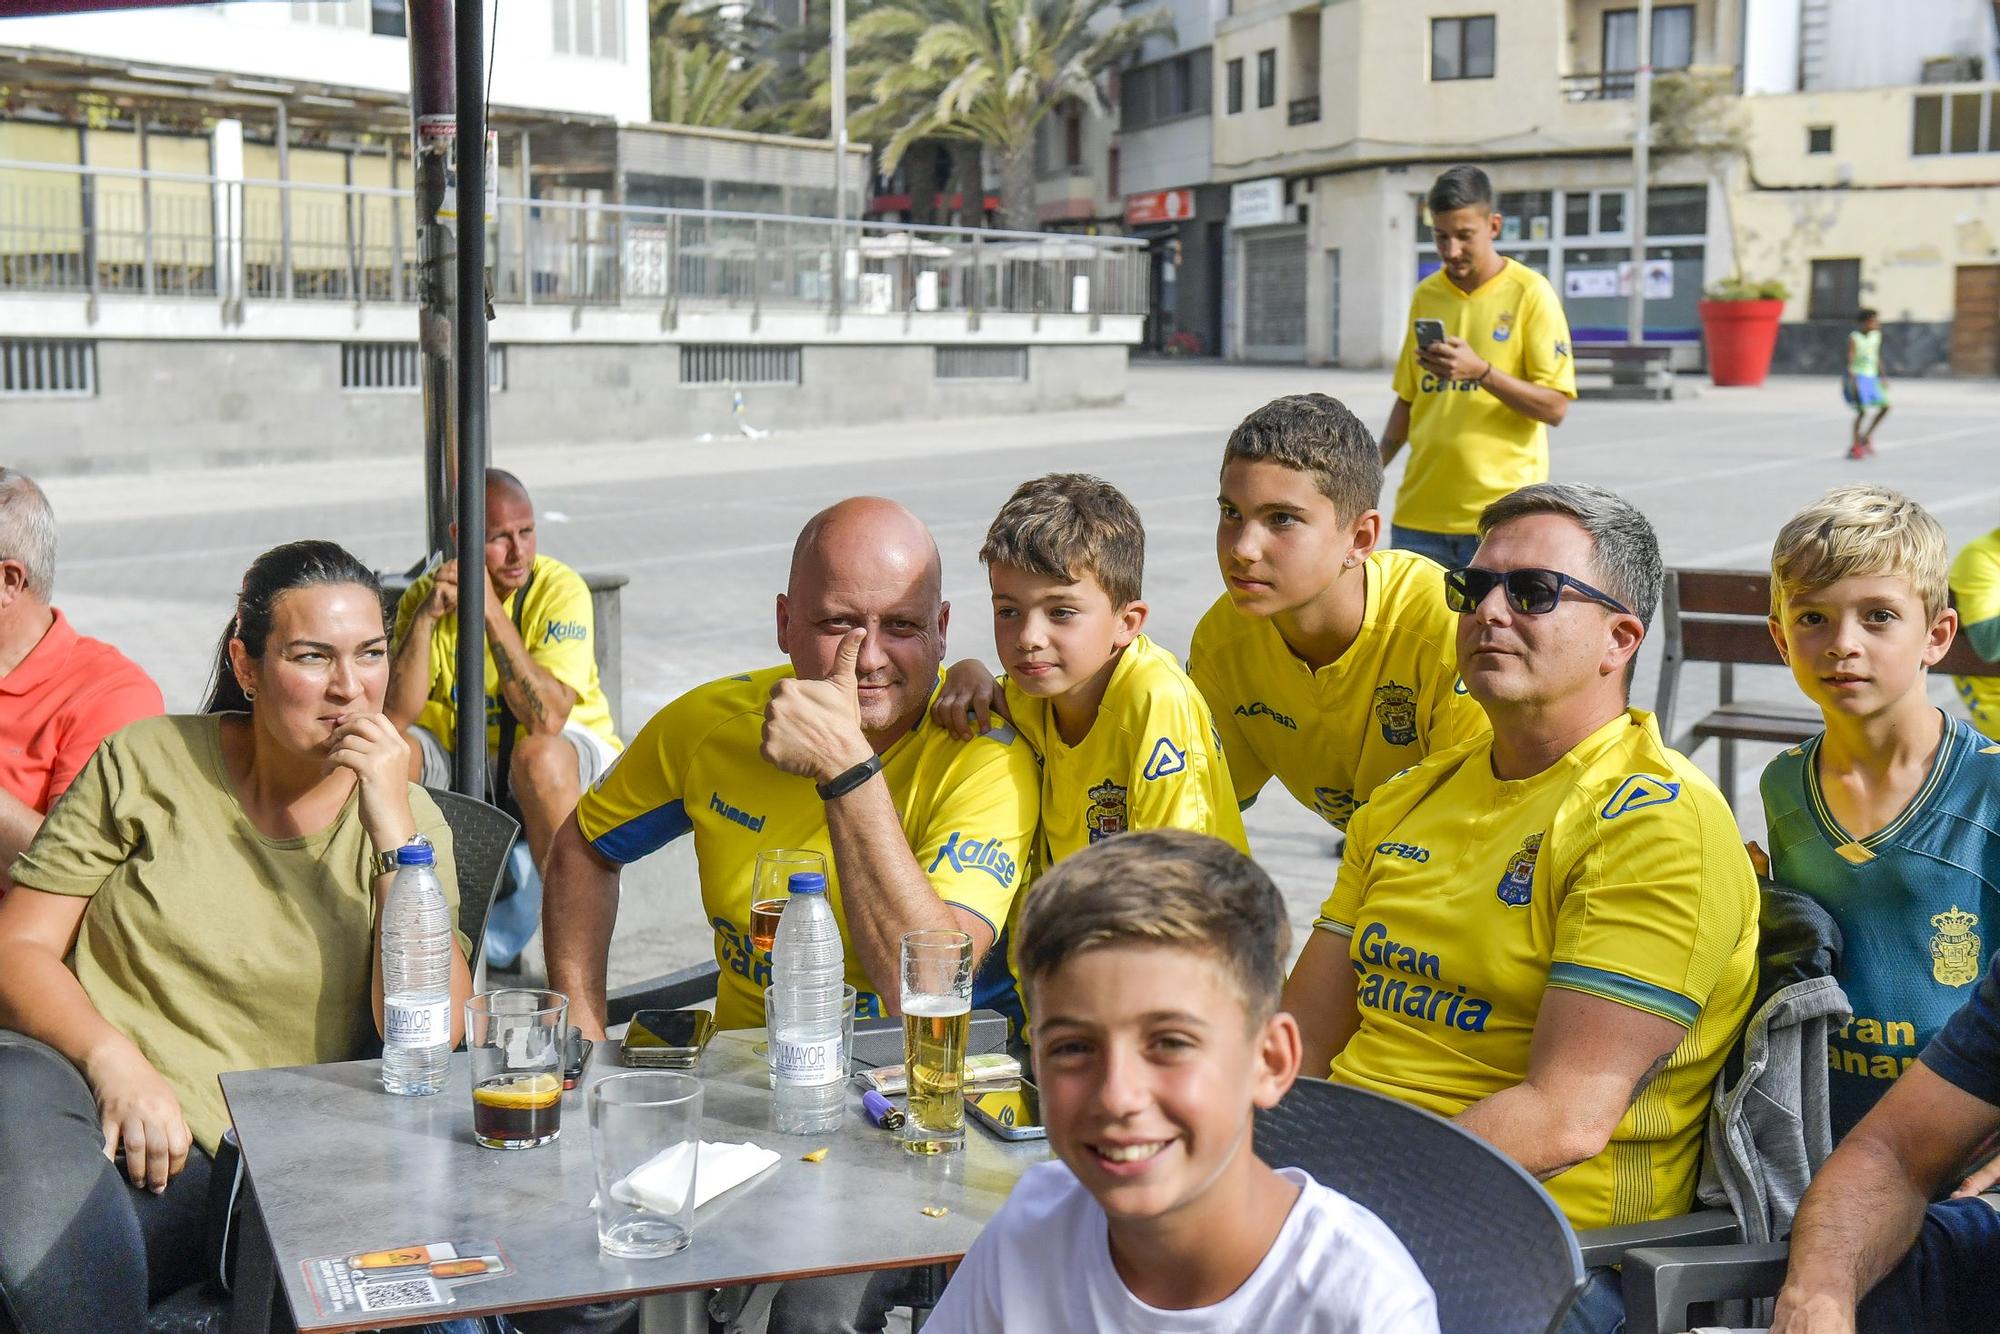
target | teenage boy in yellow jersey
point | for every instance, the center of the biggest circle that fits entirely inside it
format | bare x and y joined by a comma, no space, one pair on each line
1124,737
1548,933
1475,405
1975,591
541,668
1327,662
830,752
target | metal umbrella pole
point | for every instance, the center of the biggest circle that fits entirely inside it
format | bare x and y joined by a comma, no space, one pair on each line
434,129
469,754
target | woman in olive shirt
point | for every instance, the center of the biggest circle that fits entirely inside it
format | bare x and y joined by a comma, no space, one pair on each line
204,898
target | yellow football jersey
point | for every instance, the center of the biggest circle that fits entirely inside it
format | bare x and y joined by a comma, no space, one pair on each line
1331,735
1618,872
1467,448
559,630
1975,591
1151,760
969,809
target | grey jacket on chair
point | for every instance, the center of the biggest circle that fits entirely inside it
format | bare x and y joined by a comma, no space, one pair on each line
1769,1126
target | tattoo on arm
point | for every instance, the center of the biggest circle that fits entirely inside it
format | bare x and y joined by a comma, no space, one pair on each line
517,685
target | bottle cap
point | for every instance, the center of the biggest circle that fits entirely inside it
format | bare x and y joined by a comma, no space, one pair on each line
417,852
806,882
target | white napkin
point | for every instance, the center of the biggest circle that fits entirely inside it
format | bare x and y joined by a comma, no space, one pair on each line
655,1183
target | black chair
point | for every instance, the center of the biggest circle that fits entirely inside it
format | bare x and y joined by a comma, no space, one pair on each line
1498,1252
481,836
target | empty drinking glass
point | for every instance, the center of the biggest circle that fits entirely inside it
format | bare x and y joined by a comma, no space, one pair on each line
645,1138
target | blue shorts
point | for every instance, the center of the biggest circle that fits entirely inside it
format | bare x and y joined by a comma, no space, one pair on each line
1863,392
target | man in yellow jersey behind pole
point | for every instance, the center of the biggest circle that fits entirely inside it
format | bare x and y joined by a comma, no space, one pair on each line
1485,370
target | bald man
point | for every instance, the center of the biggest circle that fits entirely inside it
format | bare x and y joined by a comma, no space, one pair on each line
831,752
541,689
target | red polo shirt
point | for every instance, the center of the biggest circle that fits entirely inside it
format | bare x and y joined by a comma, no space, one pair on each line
67,695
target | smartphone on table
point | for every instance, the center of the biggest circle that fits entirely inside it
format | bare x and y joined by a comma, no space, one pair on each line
1428,332
1011,1111
666,1039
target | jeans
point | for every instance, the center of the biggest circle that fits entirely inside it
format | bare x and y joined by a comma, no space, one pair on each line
1600,1307
1450,550
81,1248
1945,1284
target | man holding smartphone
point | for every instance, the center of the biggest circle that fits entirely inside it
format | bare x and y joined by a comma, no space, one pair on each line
1484,371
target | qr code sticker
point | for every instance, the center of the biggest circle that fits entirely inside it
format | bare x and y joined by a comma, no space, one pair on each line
399,1294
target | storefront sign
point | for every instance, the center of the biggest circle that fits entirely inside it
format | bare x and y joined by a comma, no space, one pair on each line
1257,203
1158,206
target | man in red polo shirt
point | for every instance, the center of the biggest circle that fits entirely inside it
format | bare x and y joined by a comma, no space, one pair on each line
60,693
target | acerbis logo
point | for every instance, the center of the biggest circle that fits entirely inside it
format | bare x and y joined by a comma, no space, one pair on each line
1259,709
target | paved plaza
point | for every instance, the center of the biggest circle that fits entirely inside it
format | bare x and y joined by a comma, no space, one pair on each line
704,530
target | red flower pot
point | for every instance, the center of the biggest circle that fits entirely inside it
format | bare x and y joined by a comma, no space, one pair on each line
1741,335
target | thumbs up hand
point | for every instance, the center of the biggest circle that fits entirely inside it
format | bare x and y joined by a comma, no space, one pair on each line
813,728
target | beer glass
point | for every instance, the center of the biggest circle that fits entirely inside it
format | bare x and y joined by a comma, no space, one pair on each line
645,1140
937,1012
516,1039
769,889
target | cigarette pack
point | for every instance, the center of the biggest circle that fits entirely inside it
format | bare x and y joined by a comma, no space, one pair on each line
992,1068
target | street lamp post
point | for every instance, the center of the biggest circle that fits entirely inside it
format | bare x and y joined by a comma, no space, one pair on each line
1642,152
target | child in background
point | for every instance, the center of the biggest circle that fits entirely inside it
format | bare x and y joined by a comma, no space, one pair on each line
1862,384
1975,591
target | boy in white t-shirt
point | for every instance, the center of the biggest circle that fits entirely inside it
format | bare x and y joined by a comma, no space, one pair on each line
1153,963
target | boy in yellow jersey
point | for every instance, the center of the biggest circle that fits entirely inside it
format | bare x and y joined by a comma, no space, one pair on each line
1124,737
1327,663
1548,933
1484,371
1975,591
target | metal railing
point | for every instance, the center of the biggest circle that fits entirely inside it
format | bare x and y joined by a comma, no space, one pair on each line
1603,86
66,228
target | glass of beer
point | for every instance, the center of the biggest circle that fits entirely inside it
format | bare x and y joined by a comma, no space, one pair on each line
768,889
937,1012
516,1039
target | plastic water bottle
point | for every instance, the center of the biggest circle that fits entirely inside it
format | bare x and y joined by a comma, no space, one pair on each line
416,976
808,1046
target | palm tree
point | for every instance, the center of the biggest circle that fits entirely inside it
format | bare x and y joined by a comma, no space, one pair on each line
988,71
702,85
705,67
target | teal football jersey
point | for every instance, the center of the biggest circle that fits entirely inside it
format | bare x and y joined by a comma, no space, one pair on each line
1916,902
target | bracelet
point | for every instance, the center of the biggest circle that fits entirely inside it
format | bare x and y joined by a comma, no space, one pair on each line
1483,374
842,784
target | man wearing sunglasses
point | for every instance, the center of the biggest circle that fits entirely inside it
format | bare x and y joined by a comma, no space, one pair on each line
1548,933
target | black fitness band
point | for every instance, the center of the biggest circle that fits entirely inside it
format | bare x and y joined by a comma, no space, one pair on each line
843,784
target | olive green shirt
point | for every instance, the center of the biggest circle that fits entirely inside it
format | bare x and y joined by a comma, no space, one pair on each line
210,945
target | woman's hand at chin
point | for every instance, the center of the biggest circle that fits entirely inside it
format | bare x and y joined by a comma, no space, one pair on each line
376,752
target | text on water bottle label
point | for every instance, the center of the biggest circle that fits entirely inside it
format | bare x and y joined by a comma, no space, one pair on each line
820,1061
424,1025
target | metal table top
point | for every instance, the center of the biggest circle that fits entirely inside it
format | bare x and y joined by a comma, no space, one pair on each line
338,1166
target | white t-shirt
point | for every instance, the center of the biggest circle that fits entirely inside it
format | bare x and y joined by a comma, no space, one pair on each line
1043,1266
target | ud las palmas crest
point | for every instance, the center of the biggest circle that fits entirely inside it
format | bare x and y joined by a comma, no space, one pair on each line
1517,882
1396,710
1106,815
1955,948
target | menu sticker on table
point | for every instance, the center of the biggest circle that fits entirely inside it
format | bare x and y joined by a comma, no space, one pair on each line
403,1279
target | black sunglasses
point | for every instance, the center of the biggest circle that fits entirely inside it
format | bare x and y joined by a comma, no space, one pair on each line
1533,592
